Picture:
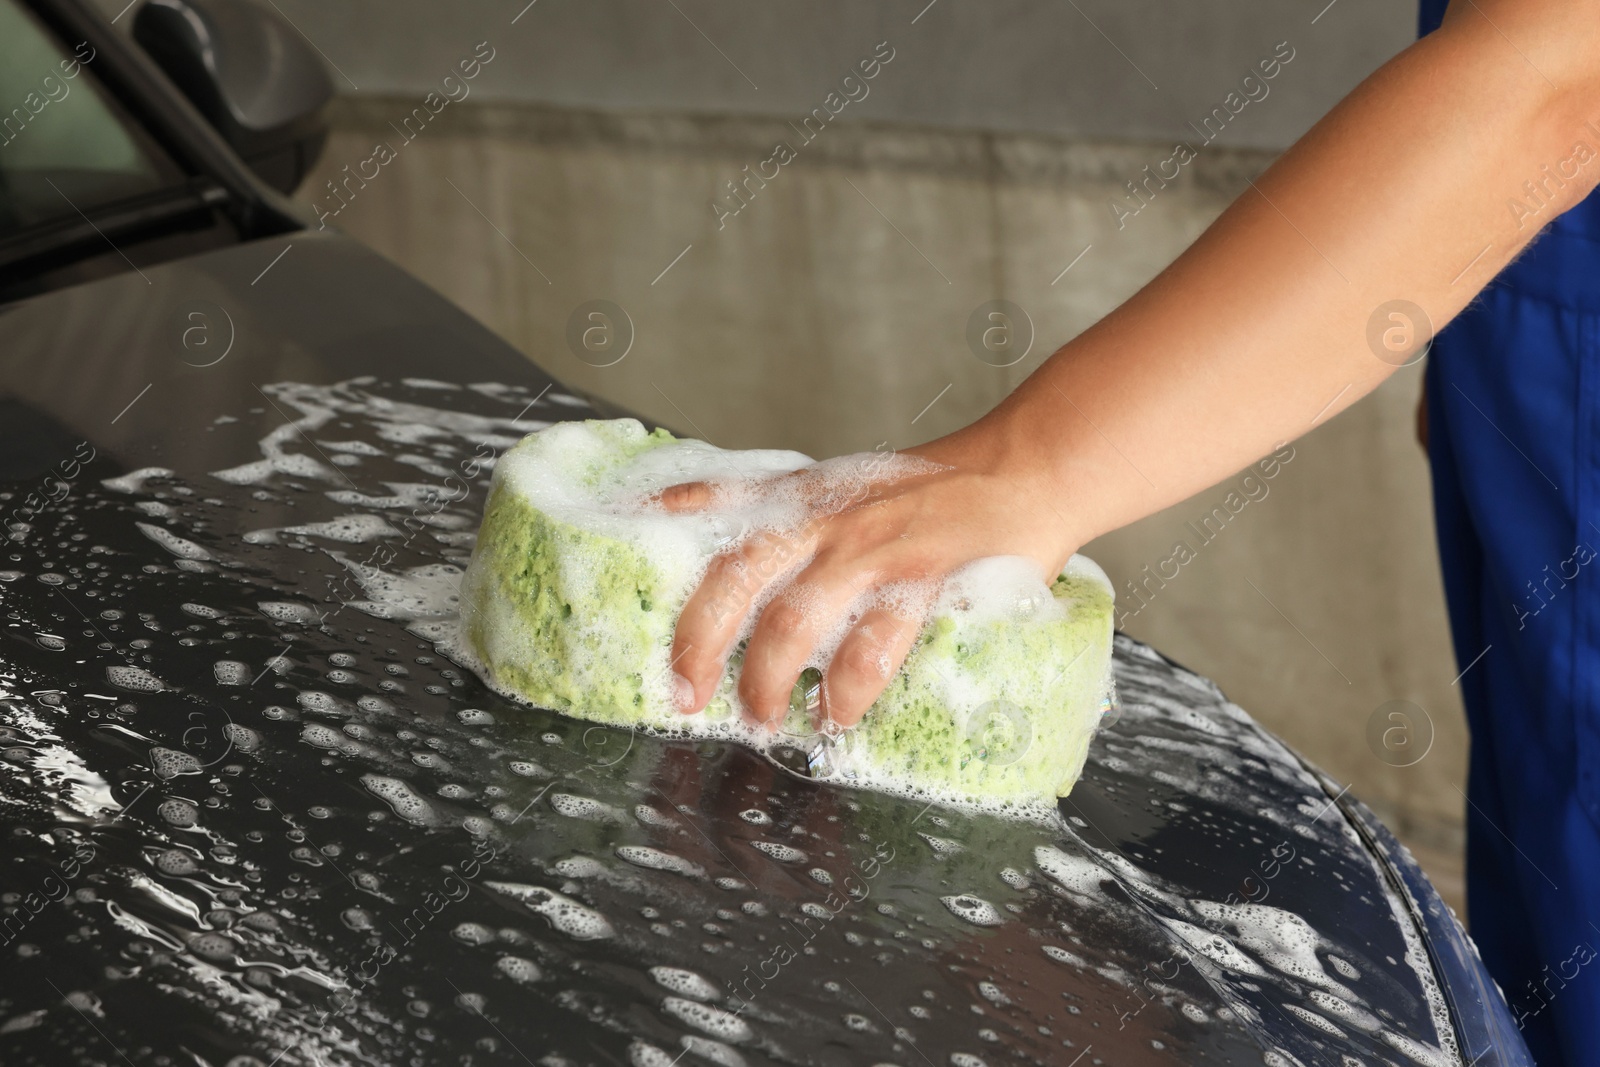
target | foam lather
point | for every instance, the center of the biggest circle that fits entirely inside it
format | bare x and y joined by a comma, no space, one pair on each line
578,579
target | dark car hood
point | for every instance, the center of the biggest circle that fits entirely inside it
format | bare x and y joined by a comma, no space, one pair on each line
251,811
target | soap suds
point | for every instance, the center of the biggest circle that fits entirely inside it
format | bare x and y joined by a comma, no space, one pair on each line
583,500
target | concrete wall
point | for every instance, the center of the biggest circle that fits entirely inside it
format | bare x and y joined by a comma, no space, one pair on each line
1123,69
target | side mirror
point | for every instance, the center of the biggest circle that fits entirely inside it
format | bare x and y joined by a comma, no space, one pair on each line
250,74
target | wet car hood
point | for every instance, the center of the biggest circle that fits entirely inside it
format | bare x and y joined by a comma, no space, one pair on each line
251,810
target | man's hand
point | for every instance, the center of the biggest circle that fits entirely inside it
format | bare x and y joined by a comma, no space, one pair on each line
867,554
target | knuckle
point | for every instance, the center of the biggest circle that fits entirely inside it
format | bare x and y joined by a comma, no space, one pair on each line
757,689
783,621
844,708
865,658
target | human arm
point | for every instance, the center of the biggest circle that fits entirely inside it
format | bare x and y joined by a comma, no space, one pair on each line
1256,332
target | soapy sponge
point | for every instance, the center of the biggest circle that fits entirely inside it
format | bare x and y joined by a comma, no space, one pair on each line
577,580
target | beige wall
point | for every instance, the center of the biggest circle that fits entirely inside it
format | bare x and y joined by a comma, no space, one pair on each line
832,310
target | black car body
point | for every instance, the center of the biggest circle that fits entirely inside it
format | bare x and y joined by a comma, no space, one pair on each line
252,815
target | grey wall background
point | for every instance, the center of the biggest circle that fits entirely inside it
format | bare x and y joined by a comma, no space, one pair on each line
1122,69
830,314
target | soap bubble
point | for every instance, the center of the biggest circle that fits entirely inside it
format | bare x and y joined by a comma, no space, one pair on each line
999,733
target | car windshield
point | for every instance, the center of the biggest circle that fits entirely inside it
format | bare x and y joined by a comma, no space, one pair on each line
64,146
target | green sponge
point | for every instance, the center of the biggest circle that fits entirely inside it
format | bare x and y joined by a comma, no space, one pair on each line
576,584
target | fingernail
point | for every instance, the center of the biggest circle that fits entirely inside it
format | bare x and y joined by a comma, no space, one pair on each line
682,693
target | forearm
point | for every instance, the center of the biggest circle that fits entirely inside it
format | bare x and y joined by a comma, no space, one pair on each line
1260,329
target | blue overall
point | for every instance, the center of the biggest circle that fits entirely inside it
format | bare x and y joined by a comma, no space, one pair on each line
1513,396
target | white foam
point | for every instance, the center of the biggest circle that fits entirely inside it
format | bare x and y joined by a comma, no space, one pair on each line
655,859
175,862
579,867
431,591
577,921
975,910
712,1051
586,808
942,846
317,405
133,481
399,795
571,472
1061,955
722,1025
134,679
1074,873
651,817
179,813
1280,939
288,611
685,983
230,672
779,851
241,737
170,763
518,969
178,546
643,1054
352,529
472,933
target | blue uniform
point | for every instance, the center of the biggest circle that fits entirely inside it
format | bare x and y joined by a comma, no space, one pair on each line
1513,394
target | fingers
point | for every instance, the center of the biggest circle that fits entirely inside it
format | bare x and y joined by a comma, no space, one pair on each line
685,496
867,659
789,630
717,609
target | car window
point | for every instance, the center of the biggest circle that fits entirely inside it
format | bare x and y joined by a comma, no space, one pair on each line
64,146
